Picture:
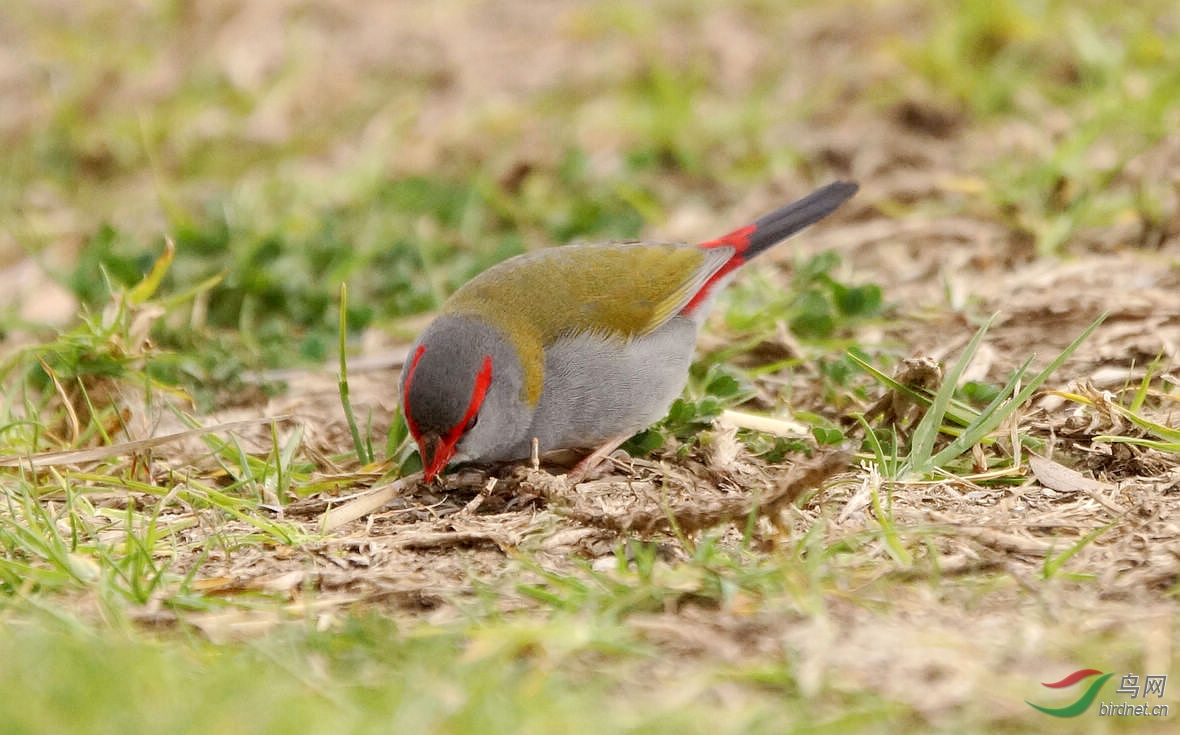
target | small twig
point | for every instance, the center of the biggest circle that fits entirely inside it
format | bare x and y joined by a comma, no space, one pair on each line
691,518
360,507
474,504
765,424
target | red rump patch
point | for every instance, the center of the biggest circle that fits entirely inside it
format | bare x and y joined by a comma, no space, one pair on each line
739,240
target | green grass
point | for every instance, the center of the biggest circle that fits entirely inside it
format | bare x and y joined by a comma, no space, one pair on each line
358,679
126,591
369,673
973,427
1097,84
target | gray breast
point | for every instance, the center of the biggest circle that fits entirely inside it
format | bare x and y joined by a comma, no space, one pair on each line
596,389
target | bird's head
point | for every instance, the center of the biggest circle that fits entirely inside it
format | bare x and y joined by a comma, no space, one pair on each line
461,394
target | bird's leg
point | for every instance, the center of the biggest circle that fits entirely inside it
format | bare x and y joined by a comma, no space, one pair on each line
535,454
594,459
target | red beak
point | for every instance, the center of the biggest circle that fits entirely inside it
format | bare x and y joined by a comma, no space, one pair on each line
435,454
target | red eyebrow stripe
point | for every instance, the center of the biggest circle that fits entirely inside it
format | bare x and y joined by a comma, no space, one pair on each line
482,381
413,425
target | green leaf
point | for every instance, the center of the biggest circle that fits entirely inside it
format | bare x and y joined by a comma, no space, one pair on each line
827,435
146,288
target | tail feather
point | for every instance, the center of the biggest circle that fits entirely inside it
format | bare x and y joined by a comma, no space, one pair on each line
768,230
783,222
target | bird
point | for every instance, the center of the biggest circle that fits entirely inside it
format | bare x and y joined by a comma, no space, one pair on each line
579,346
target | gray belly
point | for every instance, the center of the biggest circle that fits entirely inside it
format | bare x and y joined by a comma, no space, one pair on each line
596,390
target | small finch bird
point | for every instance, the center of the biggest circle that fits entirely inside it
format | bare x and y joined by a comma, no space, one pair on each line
578,346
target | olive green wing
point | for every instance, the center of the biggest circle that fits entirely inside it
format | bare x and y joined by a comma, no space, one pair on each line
619,289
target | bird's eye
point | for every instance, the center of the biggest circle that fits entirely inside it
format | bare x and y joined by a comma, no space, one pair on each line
471,422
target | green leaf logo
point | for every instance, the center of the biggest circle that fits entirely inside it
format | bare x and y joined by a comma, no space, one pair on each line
1083,703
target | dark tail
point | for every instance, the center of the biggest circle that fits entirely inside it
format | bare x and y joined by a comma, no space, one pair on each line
780,224
748,241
